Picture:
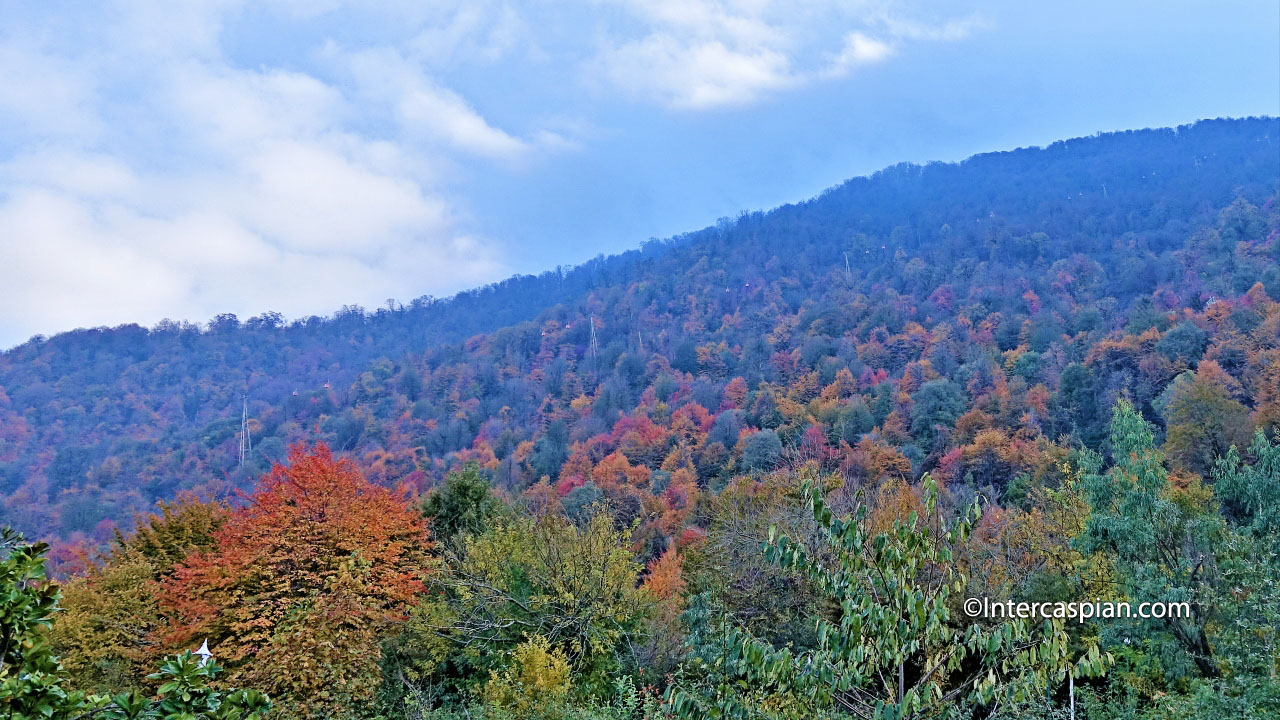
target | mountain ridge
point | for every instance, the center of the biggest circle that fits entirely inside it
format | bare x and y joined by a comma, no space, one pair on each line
102,422
267,317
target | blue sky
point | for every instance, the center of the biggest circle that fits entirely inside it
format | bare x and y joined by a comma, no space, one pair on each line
162,159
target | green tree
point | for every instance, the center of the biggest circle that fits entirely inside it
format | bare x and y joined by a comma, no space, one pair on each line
762,451
1078,406
582,502
464,506
1250,494
1162,546
729,568
1248,637
31,678
106,634
574,586
186,693
936,403
685,357
105,630
551,450
1186,342
851,421
889,648
1169,544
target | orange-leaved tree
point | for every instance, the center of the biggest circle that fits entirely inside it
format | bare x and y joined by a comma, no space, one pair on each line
303,583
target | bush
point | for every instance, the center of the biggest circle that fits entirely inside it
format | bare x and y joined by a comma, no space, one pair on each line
535,685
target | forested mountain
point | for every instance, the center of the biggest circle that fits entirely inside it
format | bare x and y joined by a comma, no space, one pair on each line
756,471
977,318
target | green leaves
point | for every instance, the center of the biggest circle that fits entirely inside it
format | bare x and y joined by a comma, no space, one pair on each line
1250,494
31,678
891,651
1163,546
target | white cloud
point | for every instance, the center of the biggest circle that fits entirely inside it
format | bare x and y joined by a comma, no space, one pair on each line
44,93
697,76
159,180
859,49
307,232
702,54
73,172
476,30
148,171
423,108
160,28
224,109
951,30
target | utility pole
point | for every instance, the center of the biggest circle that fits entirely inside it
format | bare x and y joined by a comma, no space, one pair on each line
1071,692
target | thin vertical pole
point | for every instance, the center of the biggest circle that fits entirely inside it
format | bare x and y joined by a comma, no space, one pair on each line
1071,693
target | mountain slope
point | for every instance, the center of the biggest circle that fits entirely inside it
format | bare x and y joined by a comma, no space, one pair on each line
888,325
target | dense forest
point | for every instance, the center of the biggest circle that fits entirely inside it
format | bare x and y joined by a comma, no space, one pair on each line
747,471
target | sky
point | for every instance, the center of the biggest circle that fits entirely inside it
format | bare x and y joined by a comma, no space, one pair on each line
181,160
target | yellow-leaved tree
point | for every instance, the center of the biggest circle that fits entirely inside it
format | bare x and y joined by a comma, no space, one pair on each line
570,590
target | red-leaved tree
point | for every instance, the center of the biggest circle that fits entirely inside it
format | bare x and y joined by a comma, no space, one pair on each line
302,584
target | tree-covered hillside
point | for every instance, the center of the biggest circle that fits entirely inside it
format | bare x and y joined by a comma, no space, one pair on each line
757,471
975,318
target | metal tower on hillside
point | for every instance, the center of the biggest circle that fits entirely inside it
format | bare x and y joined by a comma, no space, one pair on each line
595,347
246,444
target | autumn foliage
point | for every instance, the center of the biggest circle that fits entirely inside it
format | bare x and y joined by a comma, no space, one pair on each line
595,466
303,581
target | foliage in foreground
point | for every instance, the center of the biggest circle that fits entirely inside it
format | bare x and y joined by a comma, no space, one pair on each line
34,686
303,583
891,649
526,601
805,597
